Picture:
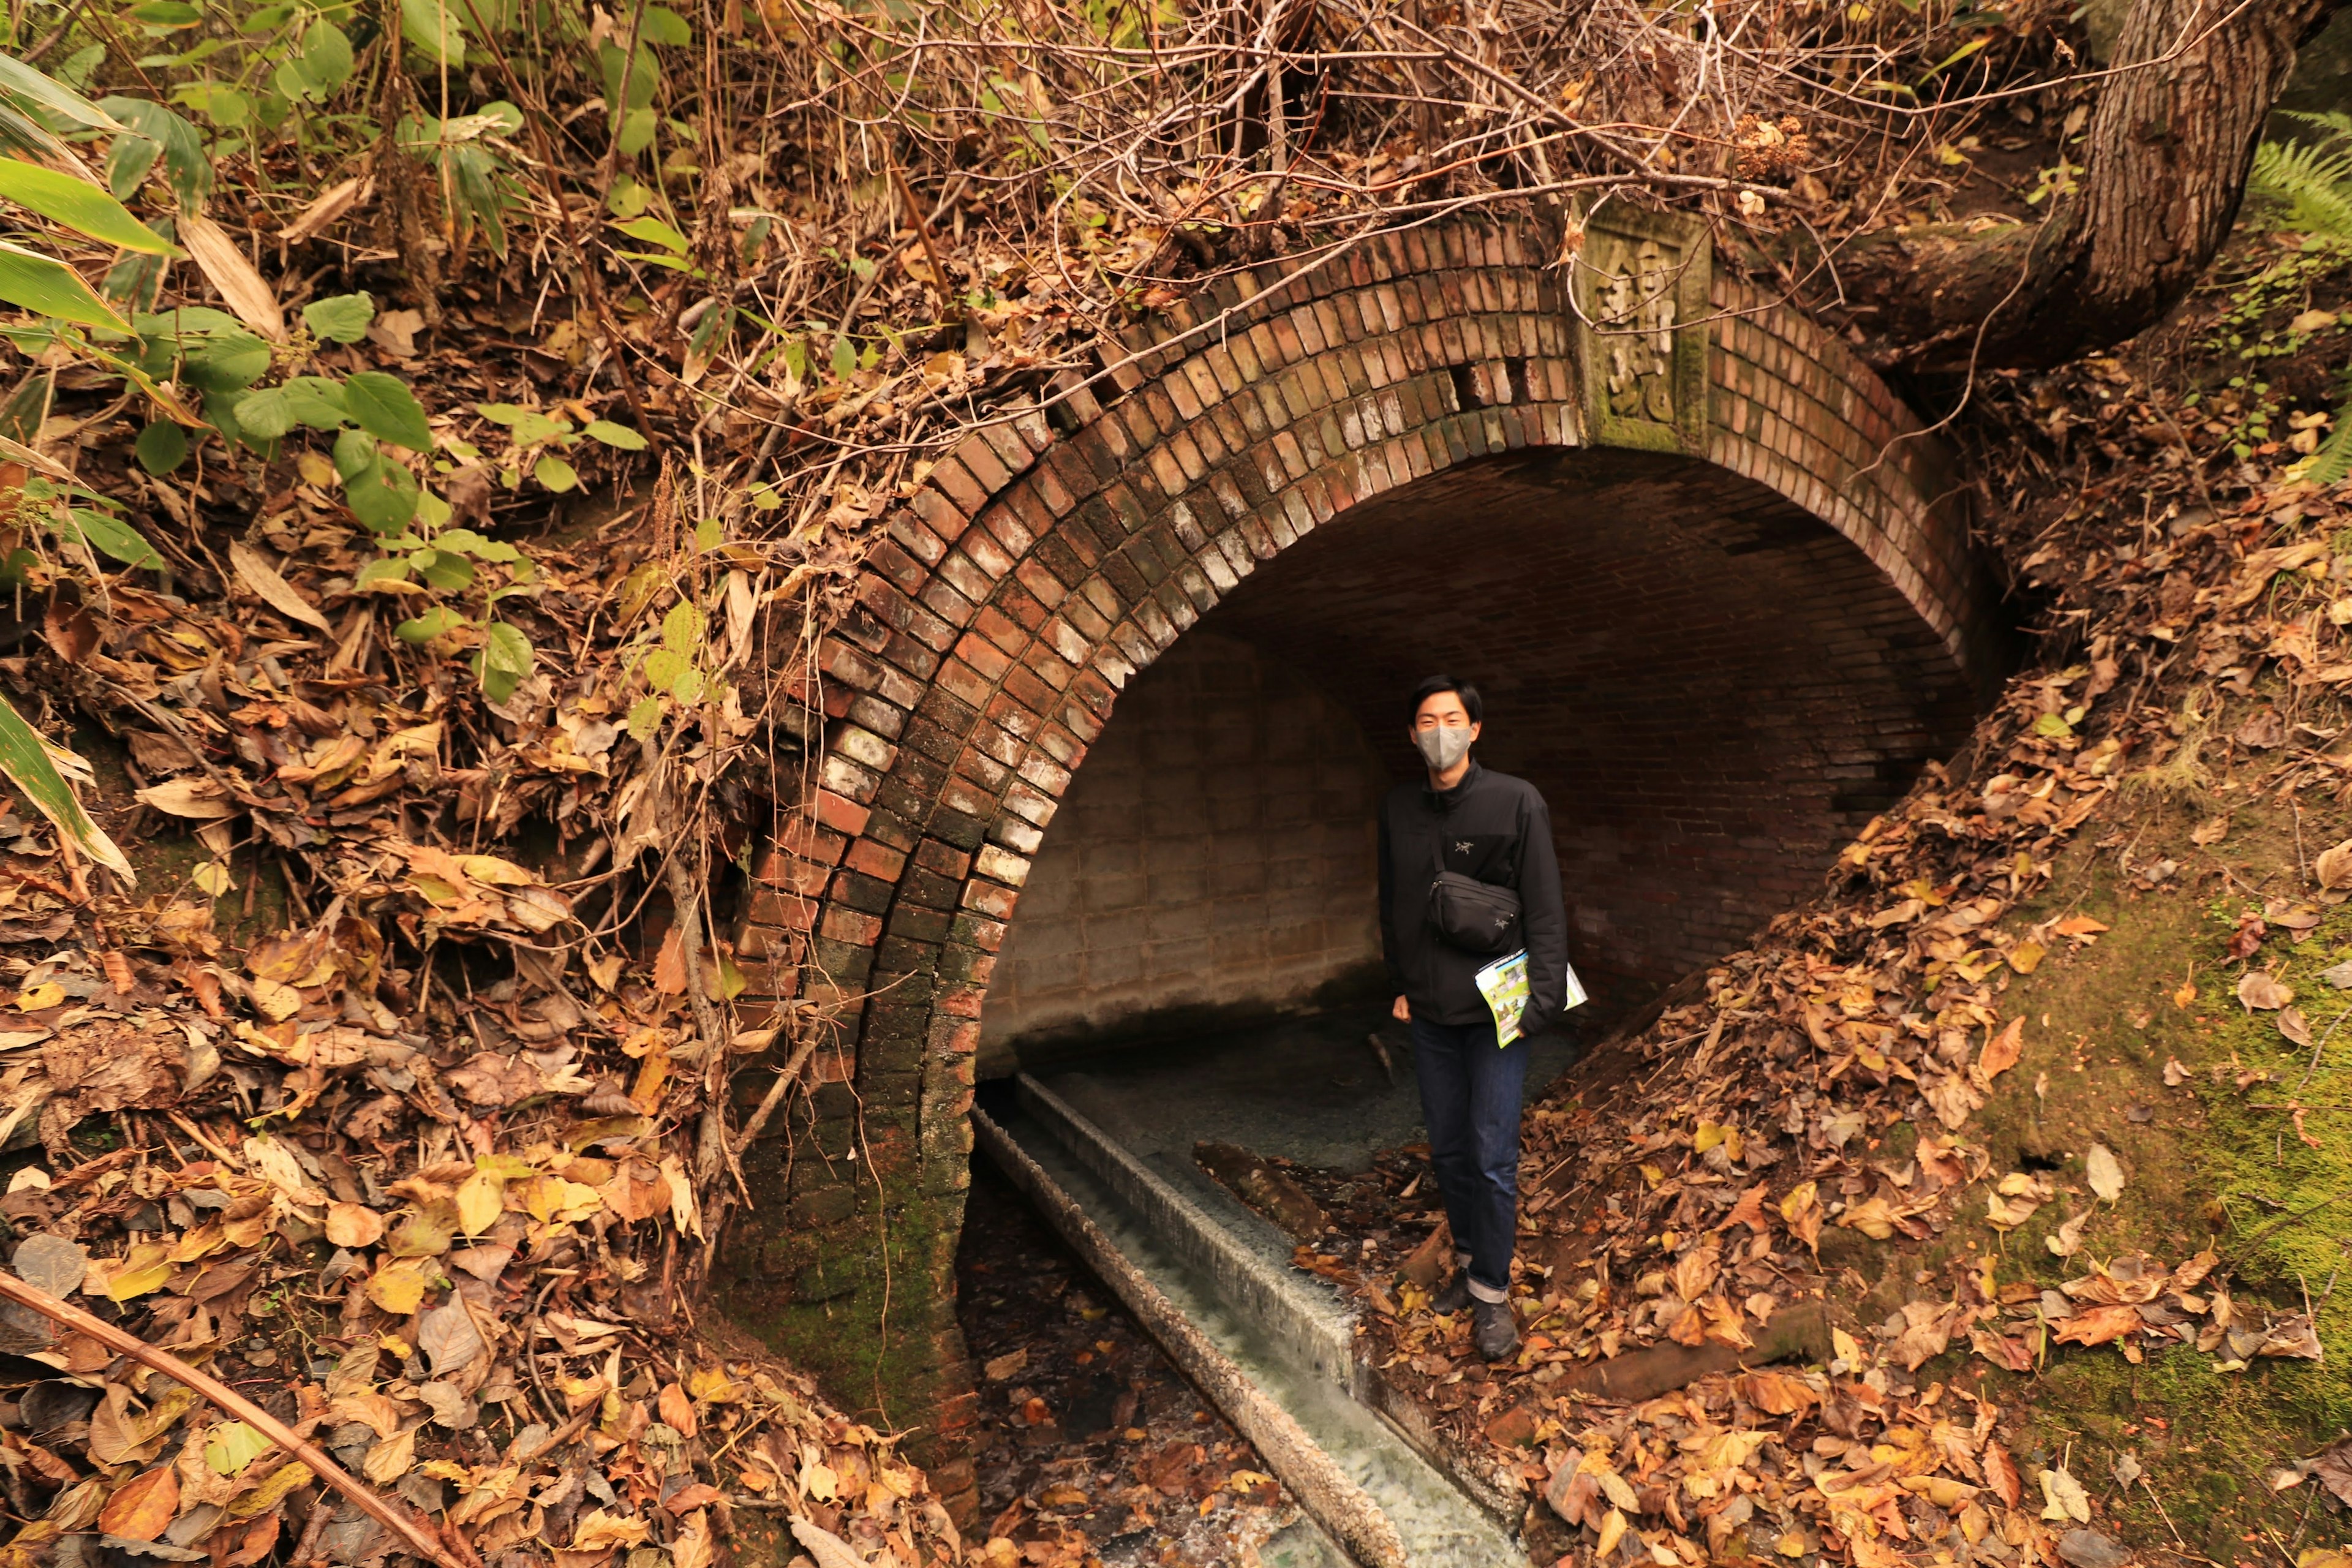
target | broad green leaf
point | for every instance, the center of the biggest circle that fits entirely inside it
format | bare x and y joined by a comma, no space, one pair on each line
661,259
476,546
638,128
226,106
664,669
32,765
682,629
499,412
157,130
27,405
383,498
388,569
355,454
644,715
555,473
844,359
613,434
162,448
532,428
326,58
710,533
21,82
316,402
266,415
111,536
48,288
505,662
78,205
382,406
232,1447
227,363
166,14
339,318
435,26
443,570
660,24
438,621
653,231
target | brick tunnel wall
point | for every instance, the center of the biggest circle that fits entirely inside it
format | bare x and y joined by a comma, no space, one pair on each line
1046,562
1214,862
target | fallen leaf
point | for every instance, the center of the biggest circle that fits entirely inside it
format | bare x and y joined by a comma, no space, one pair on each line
2001,1052
2106,1175
2063,1497
226,269
141,1508
2260,991
353,1225
2334,866
273,589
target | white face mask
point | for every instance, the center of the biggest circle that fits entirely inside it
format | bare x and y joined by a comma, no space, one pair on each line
1442,746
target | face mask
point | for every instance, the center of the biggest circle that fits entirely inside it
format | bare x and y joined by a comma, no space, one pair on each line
1443,747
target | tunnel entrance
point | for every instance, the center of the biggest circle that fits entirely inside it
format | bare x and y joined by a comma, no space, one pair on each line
1711,688
1108,718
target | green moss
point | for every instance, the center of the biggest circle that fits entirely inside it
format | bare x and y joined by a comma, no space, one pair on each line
2210,1161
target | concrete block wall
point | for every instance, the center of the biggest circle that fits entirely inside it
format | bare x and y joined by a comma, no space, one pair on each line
1048,561
1215,855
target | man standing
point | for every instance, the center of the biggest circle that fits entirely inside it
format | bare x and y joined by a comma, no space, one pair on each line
1491,832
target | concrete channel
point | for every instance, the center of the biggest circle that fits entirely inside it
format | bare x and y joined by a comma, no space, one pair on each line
1106,1159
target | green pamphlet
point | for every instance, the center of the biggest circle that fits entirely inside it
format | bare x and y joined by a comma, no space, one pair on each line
1504,984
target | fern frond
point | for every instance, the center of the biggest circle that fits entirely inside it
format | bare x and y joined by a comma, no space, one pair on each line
2332,460
2312,180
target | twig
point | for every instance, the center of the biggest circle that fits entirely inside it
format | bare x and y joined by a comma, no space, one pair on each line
436,1546
775,1095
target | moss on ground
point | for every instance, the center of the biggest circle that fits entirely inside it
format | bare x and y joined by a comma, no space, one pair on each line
2215,1159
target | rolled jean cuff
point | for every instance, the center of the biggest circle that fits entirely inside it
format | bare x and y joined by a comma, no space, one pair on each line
1480,1291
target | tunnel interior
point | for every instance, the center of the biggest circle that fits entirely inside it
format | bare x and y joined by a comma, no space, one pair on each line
1711,686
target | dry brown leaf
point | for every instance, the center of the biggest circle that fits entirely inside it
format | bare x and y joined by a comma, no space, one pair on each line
2001,1052
273,589
327,209
2260,991
247,292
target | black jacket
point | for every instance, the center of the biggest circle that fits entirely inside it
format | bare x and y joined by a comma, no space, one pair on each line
1491,826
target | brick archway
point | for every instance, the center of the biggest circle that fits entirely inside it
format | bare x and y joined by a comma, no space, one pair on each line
1050,560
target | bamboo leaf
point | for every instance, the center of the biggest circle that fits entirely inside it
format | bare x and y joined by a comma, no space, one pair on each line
32,765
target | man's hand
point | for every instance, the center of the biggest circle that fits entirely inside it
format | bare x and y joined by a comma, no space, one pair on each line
1400,1012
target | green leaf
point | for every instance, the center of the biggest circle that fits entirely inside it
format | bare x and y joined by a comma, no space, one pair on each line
339,318
682,629
555,473
27,405
433,27
532,428
266,415
227,364
162,448
500,412
710,533
440,569
355,455
48,287
613,434
438,621
233,1446
22,82
78,205
638,128
156,130
226,106
505,662
645,713
109,535
664,669
166,16
660,24
317,403
653,231
326,58
31,764
844,359
386,569
383,406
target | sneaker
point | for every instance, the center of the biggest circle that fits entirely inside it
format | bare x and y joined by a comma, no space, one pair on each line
1454,1297
1494,1329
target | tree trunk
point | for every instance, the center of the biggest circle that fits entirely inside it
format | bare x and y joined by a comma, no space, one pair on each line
2171,140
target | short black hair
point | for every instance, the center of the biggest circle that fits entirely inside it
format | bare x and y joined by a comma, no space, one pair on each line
1462,688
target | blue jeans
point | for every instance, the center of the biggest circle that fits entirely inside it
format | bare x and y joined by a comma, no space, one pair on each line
1470,1100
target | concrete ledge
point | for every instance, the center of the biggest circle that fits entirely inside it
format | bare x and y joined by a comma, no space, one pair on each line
1336,1502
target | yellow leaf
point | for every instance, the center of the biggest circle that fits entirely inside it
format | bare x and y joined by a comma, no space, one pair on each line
146,1267
480,1201
391,1458
1613,1530
2025,957
397,1287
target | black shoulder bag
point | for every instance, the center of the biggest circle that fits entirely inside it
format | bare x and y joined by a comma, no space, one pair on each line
1474,916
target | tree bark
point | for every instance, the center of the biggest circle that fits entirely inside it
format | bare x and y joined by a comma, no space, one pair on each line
2170,141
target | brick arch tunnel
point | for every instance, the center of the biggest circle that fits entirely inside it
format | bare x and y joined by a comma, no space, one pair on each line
1107,726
